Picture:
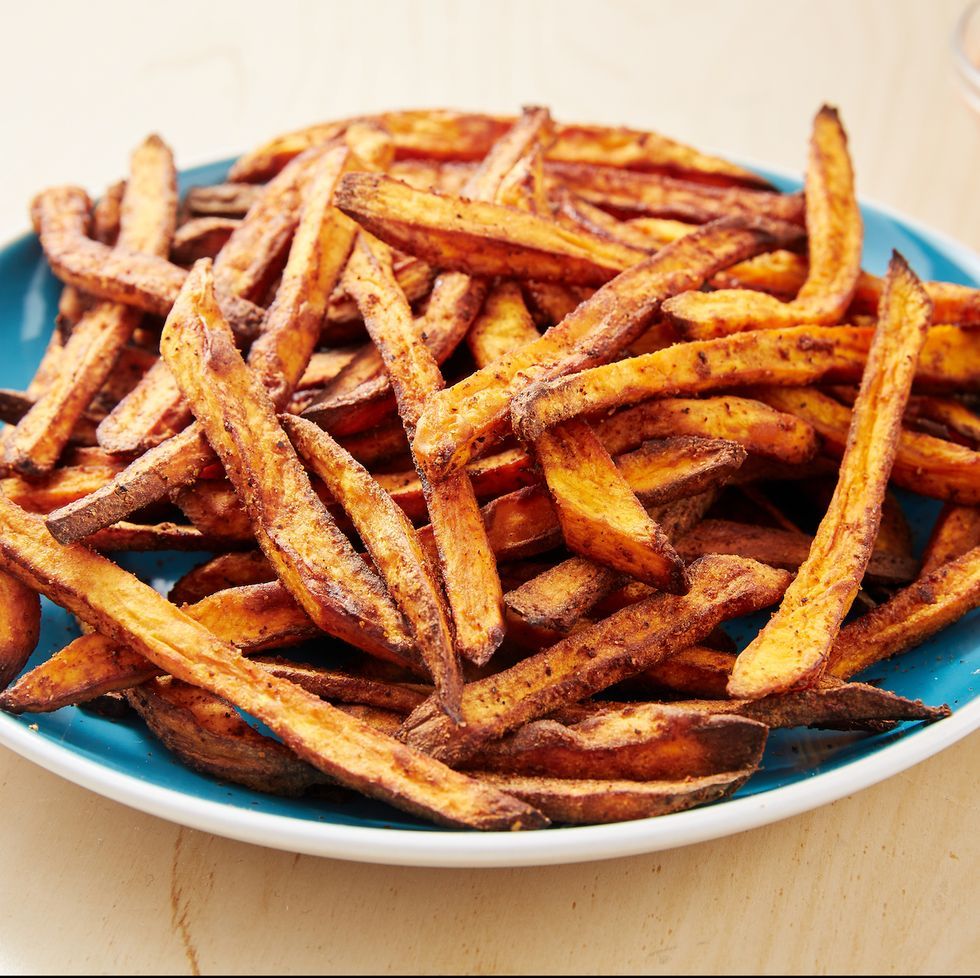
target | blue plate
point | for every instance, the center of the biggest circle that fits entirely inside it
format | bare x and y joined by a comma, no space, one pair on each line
801,769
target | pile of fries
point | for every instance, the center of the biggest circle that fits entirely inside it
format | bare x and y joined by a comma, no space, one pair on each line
520,412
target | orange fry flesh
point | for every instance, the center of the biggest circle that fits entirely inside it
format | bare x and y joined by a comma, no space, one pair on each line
792,649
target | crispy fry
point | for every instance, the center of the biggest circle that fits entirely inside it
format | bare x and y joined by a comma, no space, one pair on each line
440,134
924,464
294,530
460,422
601,518
143,281
469,572
755,426
228,200
107,213
655,195
793,647
934,601
587,802
829,704
414,276
639,742
61,485
834,232
478,237
133,615
147,225
20,626
947,411
800,355
230,570
957,531
206,733
394,548
594,658
503,325
780,548
125,536
201,237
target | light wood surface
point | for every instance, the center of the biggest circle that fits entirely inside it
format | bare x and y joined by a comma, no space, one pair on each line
885,881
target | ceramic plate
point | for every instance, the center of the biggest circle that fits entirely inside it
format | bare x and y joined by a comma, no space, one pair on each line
802,769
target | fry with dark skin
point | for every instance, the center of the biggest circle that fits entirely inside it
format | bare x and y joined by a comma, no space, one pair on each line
292,527
147,222
788,357
468,568
925,464
834,233
792,649
956,531
639,742
395,551
934,601
145,282
229,570
462,421
601,518
133,615
210,737
594,658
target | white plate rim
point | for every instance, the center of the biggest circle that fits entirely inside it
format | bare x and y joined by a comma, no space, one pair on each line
443,849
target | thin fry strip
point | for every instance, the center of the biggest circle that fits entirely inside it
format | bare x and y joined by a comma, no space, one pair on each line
469,571
395,551
600,515
793,647
834,233
503,325
935,600
440,134
956,531
462,421
927,465
594,658
312,557
149,210
134,616
251,617
657,195
143,281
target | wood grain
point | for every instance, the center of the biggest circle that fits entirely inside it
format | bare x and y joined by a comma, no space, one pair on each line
886,880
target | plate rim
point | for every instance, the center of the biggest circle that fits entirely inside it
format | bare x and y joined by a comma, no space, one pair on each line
462,849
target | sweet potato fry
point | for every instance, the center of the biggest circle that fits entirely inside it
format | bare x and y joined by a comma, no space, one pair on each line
575,802
503,325
469,572
133,615
955,416
147,225
394,548
655,195
695,671
478,237
292,527
639,742
126,536
210,737
230,570
201,237
924,464
829,704
956,532
440,134
61,485
227,200
594,658
20,626
414,277
793,647
754,425
462,421
834,232
934,601
143,281
780,548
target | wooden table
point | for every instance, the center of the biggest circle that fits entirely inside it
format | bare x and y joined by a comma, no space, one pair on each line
885,880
